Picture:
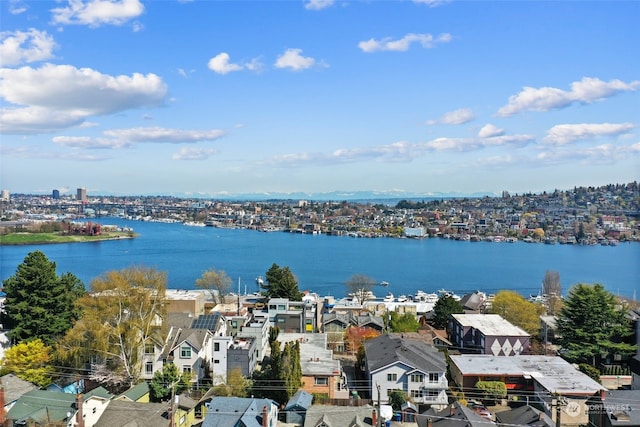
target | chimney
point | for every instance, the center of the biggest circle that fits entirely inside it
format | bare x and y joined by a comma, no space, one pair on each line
452,410
541,416
79,415
374,418
265,416
429,422
2,403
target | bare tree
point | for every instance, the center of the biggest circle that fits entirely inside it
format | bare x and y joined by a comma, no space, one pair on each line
216,283
551,283
361,287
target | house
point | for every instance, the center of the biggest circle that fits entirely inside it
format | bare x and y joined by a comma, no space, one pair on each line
242,354
296,407
367,320
238,411
615,408
338,416
321,373
14,387
292,316
474,302
455,415
335,325
137,393
257,328
189,350
91,408
40,406
538,378
125,413
487,334
394,362
523,416
185,301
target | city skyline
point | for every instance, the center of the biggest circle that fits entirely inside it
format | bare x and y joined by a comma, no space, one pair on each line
216,98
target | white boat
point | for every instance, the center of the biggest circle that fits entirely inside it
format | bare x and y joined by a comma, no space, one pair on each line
402,298
389,297
384,283
422,296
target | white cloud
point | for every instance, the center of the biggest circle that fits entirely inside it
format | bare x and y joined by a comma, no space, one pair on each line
601,154
293,59
59,96
584,91
456,117
97,12
87,142
318,4
401,45
432,3
26,152
164,135
489,131
221,65
18,47
192,153
16,7
567,133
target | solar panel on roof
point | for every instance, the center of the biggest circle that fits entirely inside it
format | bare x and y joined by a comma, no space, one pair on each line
206,321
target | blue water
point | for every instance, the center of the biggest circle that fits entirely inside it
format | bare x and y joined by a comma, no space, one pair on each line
323,264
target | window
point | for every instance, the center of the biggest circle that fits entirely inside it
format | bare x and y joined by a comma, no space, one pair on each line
282,307
392,377
234,323
434,377
216,346
216,361
185,352
148,368
186,368
416,393
321,381
149,348
417,378
432,393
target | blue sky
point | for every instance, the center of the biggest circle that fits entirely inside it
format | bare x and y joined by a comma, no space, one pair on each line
230,97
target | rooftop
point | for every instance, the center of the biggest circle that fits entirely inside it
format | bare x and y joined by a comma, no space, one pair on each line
490,324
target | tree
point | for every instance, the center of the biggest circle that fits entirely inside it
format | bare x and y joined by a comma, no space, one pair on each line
406,322
551,283
492,390
29,360
39,304
361,287
397,398
515,309
592,326
281,283
123,312
237,385
216,283
168,381
281,376
443,309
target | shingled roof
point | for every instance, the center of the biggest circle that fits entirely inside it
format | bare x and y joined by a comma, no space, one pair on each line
388,349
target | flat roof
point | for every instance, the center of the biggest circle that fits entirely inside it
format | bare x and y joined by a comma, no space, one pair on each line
553,373
490,324
315,358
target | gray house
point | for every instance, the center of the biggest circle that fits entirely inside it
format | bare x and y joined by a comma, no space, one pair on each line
394,362
487,334
297,406
238,411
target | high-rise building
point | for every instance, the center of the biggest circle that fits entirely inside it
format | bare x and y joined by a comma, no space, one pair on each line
4,195
55,194
81,194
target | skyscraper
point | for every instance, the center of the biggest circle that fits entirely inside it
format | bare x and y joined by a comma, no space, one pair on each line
81,194
55,194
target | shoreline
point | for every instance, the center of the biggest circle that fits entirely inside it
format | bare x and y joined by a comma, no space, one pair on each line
57,239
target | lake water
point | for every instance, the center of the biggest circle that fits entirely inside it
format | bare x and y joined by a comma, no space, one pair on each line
323,263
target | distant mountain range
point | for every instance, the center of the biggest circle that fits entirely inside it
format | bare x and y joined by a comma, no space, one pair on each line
352,196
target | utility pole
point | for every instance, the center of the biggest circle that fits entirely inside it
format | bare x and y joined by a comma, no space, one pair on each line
379,420
558,410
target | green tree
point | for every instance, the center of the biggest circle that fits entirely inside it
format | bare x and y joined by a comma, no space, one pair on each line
216,283
443,309
514,308
406,322
361,287
29,360
589,370
397,398
281,283
123,312
168,381
592,325
237,385
492,390
39,304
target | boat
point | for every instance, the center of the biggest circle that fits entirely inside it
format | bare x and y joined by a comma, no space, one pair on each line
422,296
402,298
384,283
389,297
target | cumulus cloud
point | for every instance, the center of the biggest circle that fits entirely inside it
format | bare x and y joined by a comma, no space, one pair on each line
18,47
164,135
401,45
293,59
456,117
584,91
97,12
567,133
221,65
59,96
125,138
318,4
490,130
192,153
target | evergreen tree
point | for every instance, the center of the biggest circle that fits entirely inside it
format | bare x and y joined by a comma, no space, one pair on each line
592,326
443,309
281,283
406,322
168,381
39,304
